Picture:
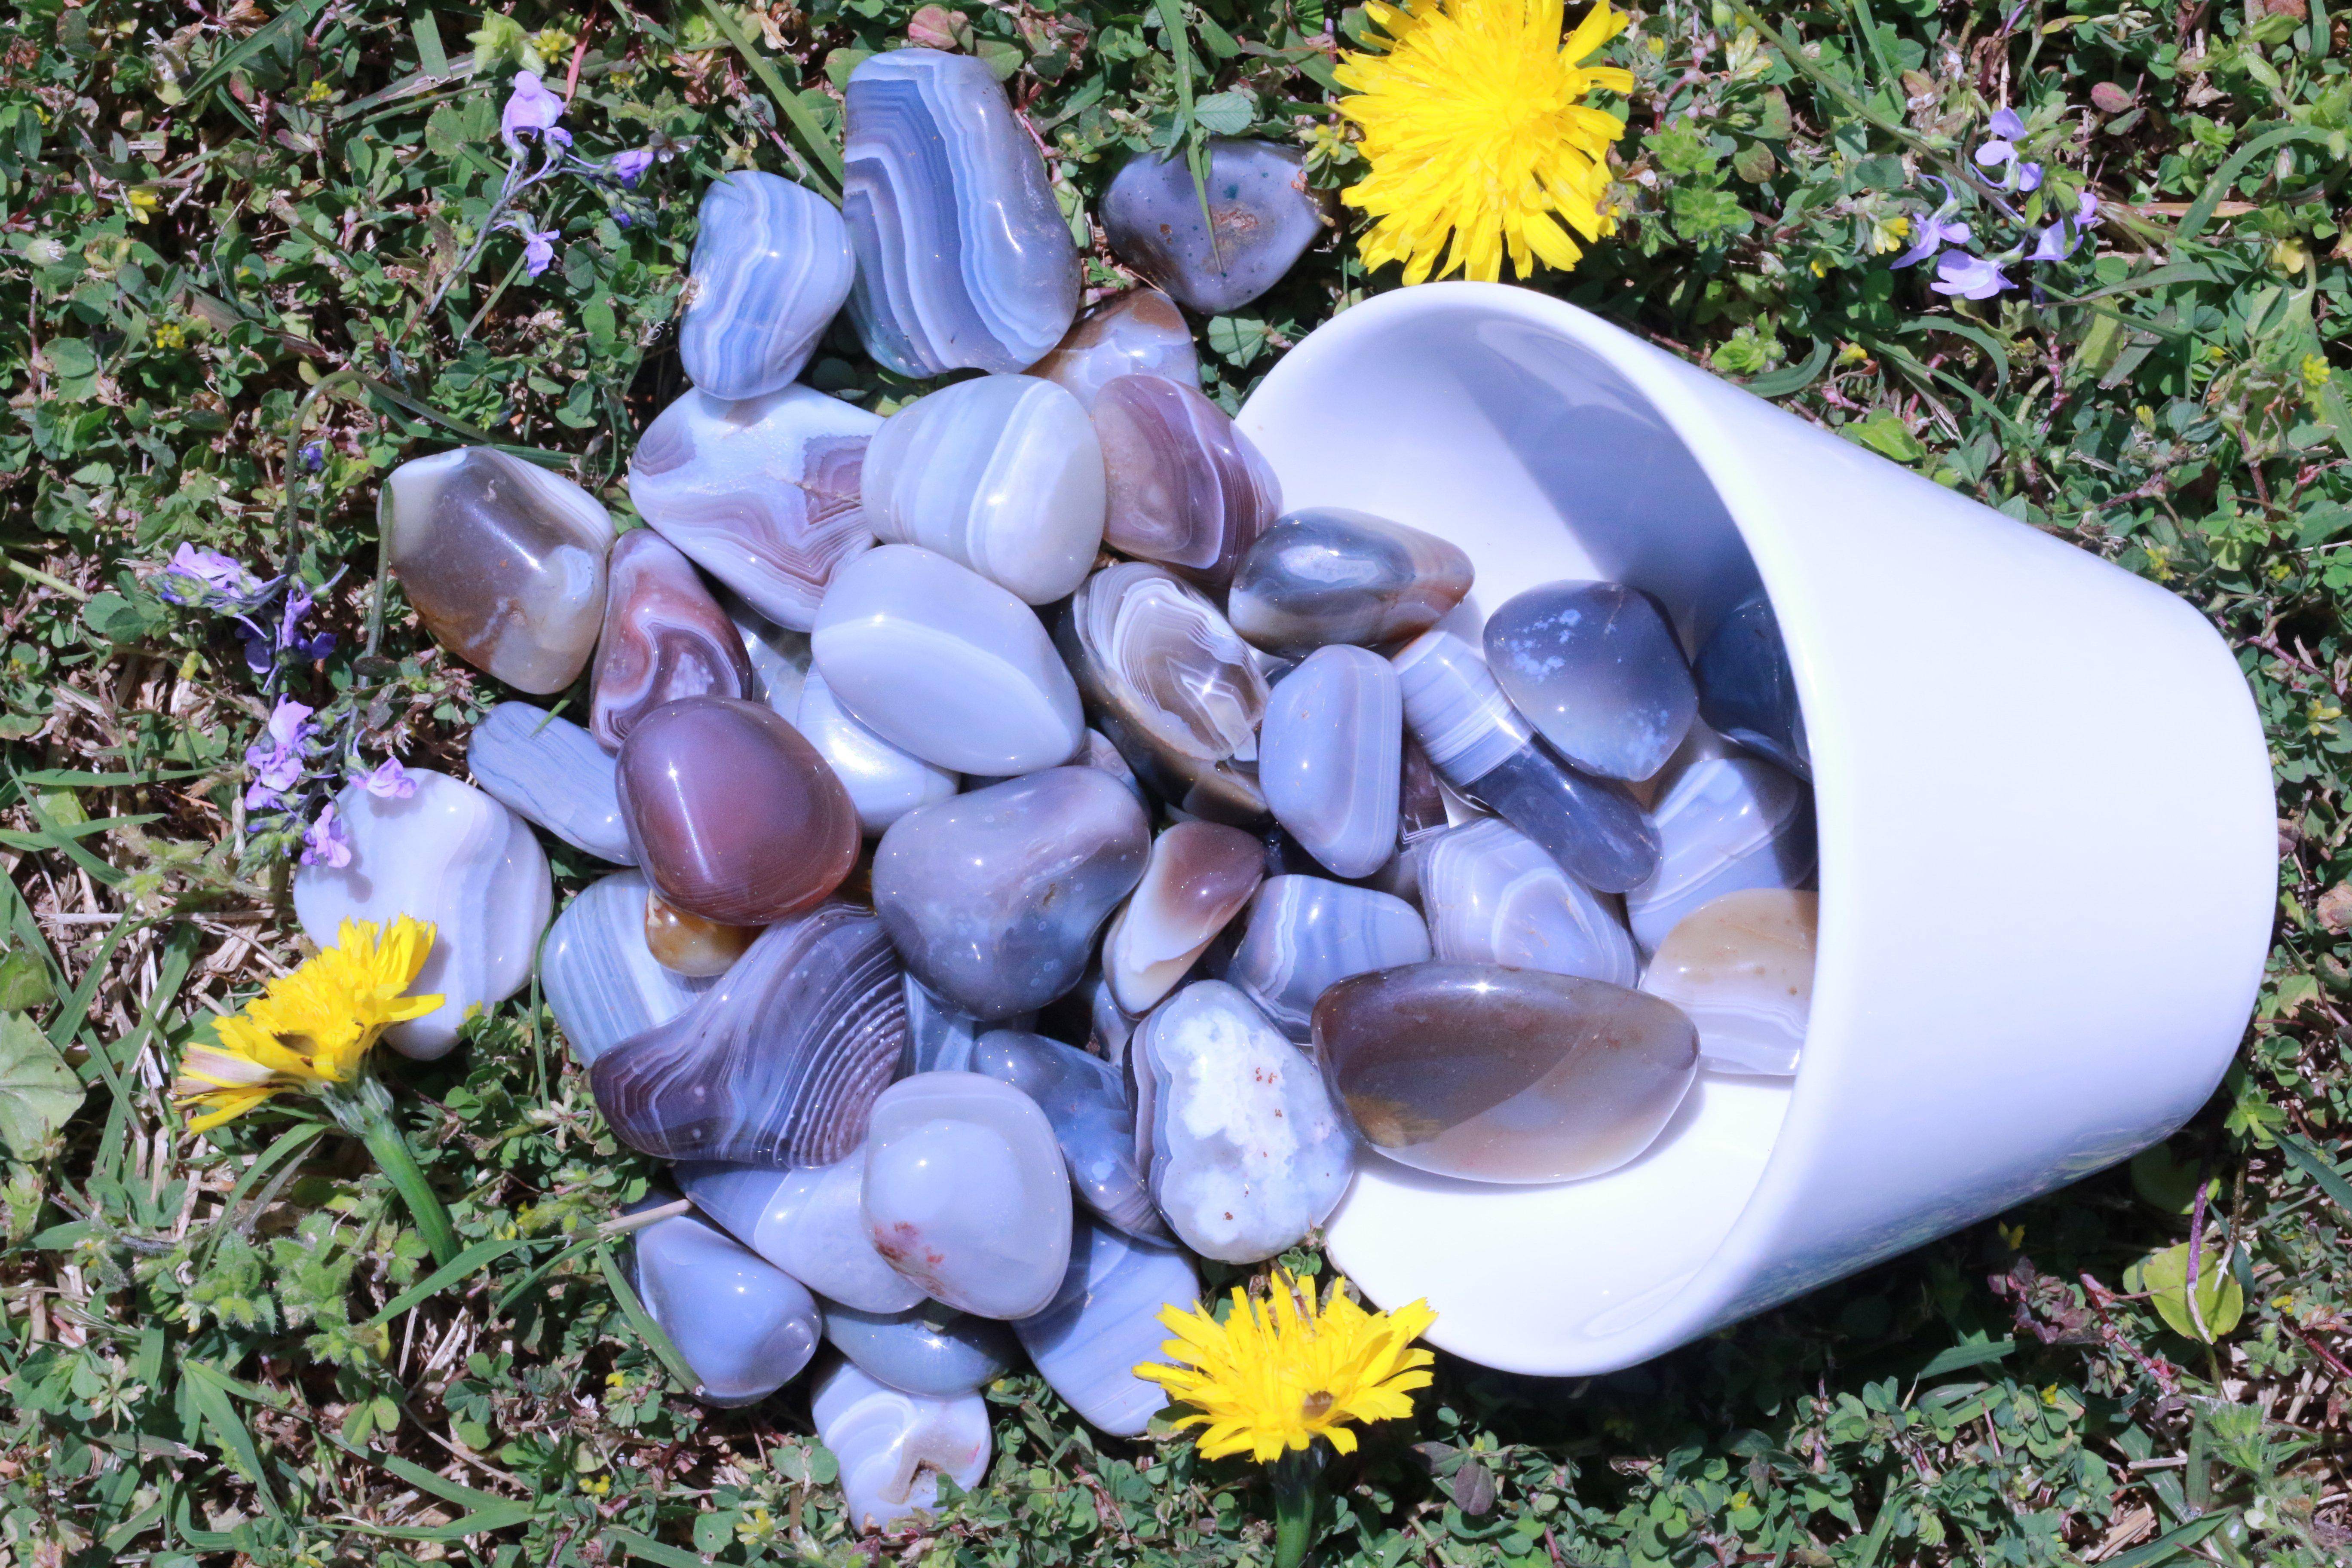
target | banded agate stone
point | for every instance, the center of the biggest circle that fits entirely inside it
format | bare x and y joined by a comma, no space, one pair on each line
1328,576
1305,934
603,982
1002,473
778,1063
1493,896
1086,1099
1596,667
928,1349
761,494
885,782
1741,969
1104,1322
771,267
1140,332
665,637
1187,488
745,1327
1502,1075
893,1446
1199,877
1157,654
810,1223
964,260
451,855
1330,758
1724,824
734,816
550,771
1260,221
503,560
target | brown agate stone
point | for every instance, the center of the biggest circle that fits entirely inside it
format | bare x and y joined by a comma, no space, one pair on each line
1502,1075
665,637
1187,490
733,816
1140,332
688,944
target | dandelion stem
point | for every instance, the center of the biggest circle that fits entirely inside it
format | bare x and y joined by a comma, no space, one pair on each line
369,1116
1298,1488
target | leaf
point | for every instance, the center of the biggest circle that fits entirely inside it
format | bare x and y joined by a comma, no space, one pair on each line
2164,1180
39,1093
2220,1301
2315,1165
431,58
1225,114
1791,378
1884,433
1958,1357
24,985
2176,1543
811,136
1237,340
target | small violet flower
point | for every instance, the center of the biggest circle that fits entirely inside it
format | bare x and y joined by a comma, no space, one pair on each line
312,457
390,781
289,630
2061,239
1932,234
2005,124
1968,277
276,759
2001,153
194,576
538,246
325,842
629,167
531,107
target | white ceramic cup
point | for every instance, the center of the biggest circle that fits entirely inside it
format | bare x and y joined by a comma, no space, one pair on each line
2047,847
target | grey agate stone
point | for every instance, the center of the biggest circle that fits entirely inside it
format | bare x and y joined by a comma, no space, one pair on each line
603,982
772,266
1305,935
550,771
1084,1097
1140,332
1724,825
1325,576
1493,896
964,259
895,1446
1330,755
744,1326
810,1223
1596,667
1104,1322
1245,1150
1260,219
1747,689
993,897
928,1349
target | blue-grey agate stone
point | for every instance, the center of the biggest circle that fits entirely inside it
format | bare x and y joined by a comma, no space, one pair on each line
1261,220
1724,825
1084,1097
551,772
810,1223
1597,668
1105,1323
603,982
744,1326
964,259
772,266
1307,934
1747,690
928,1350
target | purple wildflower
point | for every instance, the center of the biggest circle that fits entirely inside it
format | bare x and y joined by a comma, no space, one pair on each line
629,167
2061,239
531,107
538,246
2028,177
325,842
313,456
290,629
621,218
1968,277
1932,234
276,759
390,781
194,576
2006,125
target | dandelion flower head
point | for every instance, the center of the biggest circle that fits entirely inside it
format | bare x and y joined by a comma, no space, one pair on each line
1279,1373
309,1028
1478,136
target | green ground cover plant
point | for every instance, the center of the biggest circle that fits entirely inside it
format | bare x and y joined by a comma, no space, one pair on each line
251,258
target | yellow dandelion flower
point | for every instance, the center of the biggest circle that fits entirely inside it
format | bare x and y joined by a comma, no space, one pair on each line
312,1028
1479,138
1277,1374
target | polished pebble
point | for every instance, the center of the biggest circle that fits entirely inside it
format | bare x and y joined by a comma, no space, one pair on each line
779,655
1493,896
1200,875
1305,934
1597,668
1724,823
1104,1322
603,983
1330,758
810,1223
665,637
771,267
1326,575
893,1449
551,772
1140,332
884,782
1186,488
1261,218
928,1349
689,945
1748,691
1084,1097
1155,655
744,1326
1741,969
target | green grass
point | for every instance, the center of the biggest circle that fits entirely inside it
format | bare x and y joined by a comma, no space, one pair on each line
237,1350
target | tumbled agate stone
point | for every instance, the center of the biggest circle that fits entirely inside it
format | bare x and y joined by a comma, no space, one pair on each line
502,560
994,897
1478,740
665,637
1502,1075
1328,575
1086,1099
1104,1322
1187,488
778,1063
689,945
1140,332
1747,689
763,494
941,662
771,267
449,855
964,259
1242,1148
779,655
1330,758
1493,896
966,1193
1156,655
928,1349
1724,823
1741,969
1260,219
810,1223
551,772
885,782
603,982
744,1326
1002,473
1305,935
1199,877
734,816
939,1036
1597,668
893,1447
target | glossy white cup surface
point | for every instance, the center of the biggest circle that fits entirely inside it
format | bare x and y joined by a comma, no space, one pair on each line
2048,844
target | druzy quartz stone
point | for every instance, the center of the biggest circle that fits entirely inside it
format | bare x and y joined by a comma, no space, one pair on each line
1328,575
1502,1075
1002,473
771,267
1741,969
966,1192
964,259
602,982
452,857
1104,1322
1724,824
1493,896
1084,1097
994,897
502,560
734,816
1199,877
1479,742
1307,934
1187,488
1330,758
810,1223
1261,218
1596,667
744,1326
665,637
941,662
778,1062
1747,689
894,1446
1140,332
551,772
763,494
